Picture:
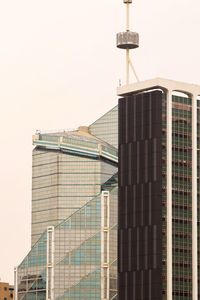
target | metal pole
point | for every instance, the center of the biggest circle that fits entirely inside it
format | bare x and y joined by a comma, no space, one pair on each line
127,50
127,17
127,66
132,67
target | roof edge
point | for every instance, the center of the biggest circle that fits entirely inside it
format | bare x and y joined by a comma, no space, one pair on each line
160,83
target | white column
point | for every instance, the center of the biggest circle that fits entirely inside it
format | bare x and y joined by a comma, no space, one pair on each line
169,195
50,264
194,201
16,284
105,242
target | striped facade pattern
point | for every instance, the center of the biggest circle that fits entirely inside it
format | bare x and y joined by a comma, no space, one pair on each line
159,142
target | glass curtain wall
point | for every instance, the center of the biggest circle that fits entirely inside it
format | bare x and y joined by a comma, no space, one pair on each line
71,172
31,274
62,184
106,127
182,197
77,255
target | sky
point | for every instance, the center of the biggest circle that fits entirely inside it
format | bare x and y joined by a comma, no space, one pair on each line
59,68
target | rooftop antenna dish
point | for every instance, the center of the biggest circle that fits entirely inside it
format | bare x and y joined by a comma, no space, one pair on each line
128,40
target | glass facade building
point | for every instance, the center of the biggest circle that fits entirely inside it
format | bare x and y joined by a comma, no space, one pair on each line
74,219
159,162
63,182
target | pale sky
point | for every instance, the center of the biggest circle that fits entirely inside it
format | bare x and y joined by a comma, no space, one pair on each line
59,68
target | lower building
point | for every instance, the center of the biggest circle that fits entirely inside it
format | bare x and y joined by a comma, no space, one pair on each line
159,191
6,291
74,219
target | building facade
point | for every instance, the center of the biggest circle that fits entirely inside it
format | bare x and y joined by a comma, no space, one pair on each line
6,291
74,218
159,196
65,167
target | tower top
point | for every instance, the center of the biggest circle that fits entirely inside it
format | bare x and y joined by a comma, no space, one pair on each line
128,40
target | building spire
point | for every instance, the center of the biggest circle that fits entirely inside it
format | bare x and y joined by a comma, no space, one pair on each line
128,40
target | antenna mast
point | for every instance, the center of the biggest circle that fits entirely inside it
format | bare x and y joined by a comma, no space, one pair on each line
128,40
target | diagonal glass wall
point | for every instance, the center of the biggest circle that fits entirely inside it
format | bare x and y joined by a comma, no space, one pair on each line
78,265
106,127
31,274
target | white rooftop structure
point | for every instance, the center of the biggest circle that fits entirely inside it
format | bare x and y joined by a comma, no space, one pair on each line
165,84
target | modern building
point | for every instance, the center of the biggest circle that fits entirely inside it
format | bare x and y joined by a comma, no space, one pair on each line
159,191
65,175
6,291
74,215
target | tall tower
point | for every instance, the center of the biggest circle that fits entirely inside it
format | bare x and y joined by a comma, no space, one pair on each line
128,40
159,188
159,191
